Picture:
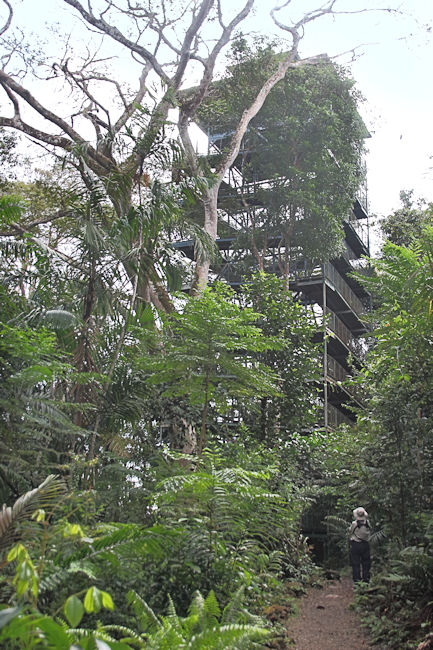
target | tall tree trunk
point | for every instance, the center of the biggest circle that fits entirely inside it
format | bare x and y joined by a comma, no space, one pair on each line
202,441
210,204
210,199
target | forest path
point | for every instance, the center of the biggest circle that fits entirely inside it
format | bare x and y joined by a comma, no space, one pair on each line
325,621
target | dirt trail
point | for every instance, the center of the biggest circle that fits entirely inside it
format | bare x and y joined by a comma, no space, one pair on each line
325,621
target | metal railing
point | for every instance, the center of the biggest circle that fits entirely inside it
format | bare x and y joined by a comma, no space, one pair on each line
335,280
361,228
336,417
349,254
362,196
341,286
336,372
342,332
233,271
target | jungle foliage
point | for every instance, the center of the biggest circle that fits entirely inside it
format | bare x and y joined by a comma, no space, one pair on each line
131,414
159,453
399,422
300,160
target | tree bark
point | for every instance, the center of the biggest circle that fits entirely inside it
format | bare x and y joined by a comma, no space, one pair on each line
210,196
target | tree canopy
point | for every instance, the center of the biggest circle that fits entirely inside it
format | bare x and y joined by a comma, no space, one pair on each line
161,453
300,161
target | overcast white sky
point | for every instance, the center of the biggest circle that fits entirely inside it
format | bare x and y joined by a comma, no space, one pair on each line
393,71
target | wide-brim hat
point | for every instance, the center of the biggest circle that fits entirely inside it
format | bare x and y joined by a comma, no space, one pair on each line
360,513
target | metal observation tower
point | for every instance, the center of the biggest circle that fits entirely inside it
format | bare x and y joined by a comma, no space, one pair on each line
337,301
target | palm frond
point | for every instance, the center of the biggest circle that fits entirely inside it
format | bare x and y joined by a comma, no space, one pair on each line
377,537
60,318
45,495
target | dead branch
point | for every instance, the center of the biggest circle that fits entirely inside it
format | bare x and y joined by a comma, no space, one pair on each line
12,86
8,19
117,35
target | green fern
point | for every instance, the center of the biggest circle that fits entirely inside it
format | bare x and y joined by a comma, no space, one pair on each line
145,615
11,209
124,635
202,628
230,637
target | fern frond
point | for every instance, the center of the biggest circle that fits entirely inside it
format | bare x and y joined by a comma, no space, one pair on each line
53,581
229,637
234,606
197,606
11,209
119,540
126,635
211,607
171,610
146,616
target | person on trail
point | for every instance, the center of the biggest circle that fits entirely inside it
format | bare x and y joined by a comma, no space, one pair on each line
359,546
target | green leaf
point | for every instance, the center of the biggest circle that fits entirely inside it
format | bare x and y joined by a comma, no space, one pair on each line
74,610
14,552
55,634
107,601
93,600
72,530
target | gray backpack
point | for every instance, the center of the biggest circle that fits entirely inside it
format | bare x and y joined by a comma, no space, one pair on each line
362,530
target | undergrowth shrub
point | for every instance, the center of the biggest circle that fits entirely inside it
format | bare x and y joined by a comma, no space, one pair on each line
232,531
398,606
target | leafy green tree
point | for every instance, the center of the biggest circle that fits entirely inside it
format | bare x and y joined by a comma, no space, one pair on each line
296,361
399,378
300,160
207,355
405,225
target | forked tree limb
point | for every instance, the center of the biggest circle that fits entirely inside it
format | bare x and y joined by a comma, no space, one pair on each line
8,19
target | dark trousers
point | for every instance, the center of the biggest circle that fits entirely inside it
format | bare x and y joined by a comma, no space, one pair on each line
360,560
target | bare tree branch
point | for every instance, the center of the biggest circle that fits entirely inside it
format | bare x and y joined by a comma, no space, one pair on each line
8,19
117,35
191,32
131,107
27,129
8,82
192,104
